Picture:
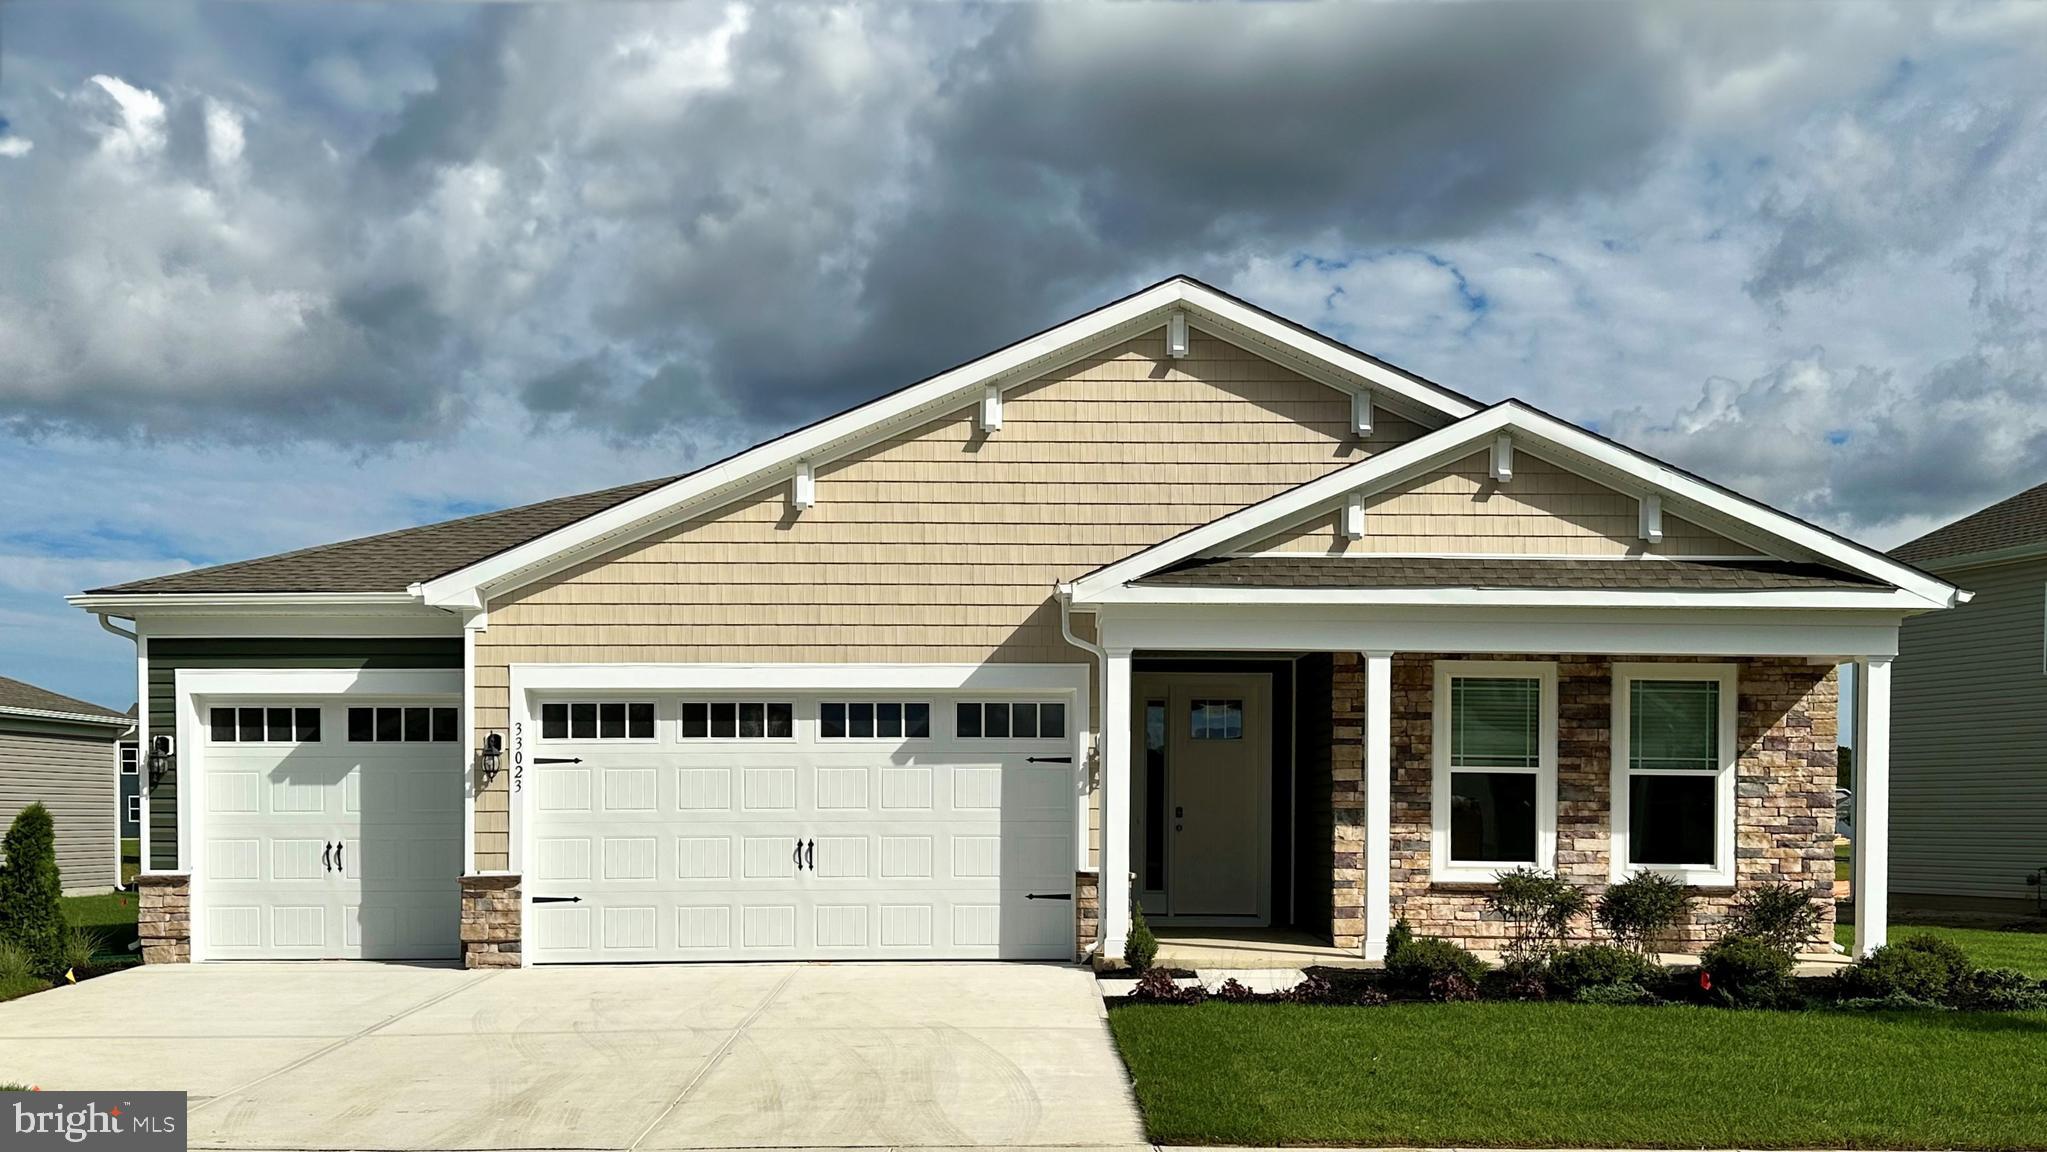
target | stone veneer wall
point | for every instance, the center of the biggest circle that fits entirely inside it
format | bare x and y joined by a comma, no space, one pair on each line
490,921
1087,913
163,917
1784,793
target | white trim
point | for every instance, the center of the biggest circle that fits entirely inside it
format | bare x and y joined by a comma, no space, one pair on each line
1872,853
1442,868
471,778
1425,452
1649,518
729,678
1503,458
803,487
1721,872
1378,797
127,603
1625,558
1890,599
136,801
325,623
1113,890
1176,335
990,418
142,743
1354,516
1361,412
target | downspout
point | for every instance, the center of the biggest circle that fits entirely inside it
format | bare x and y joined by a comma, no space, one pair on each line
109,626
1100,678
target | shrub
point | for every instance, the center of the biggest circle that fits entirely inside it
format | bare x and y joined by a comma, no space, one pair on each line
2000,990
1640,911
1415,968
1141,948
1158,984
1779,915
1399,936
1515,980
1614,995
1312,989
1232,991
1748,972
16,965
1574,970
1451,986
80,946
30,915
1538,908
1922,967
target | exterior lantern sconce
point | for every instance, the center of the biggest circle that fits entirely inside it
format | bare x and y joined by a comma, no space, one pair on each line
492,757
163,757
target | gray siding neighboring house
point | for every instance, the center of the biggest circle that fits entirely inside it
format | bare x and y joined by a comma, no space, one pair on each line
1969,735
60,752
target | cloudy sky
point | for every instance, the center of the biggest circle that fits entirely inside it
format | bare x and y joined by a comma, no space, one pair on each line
275,274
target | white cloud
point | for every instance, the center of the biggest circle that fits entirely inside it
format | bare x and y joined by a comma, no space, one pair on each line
15,146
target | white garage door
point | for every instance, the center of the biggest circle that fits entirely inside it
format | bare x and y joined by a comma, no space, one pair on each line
332,830
801,826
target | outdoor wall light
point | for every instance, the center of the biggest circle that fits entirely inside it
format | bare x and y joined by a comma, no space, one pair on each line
163,756
492,757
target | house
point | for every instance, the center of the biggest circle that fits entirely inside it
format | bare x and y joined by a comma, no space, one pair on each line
59,752
1970,748
1176,602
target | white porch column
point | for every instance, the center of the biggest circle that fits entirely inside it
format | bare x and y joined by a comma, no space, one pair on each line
1378,788
1872,802
1116,801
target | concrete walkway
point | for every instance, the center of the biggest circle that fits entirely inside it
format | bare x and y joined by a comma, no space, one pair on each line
369,1056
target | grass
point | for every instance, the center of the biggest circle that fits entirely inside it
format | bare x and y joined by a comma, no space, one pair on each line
112,915
13,987
1564,1075
131,859
1989,948
1844,860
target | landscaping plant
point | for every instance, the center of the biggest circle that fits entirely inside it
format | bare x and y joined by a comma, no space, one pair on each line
1434,969
1399,936
2000,990
80,946
1641,911
1142,947
1920,967
1784,917
1574,972
1747,972
30,915
1538,907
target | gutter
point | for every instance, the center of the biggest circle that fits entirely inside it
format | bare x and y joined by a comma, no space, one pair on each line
1064,591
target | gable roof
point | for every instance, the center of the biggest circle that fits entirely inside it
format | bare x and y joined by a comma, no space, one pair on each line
2007,530
1312,571
1523,424
449,563
20,698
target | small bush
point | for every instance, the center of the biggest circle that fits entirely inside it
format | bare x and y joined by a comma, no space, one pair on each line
1232,992
2000,990
1415,968
1452,986
80,946
1399,936
1599,965
1312,989
1614,995
1779,915
1158,984
1538,907
1748,972
1515,980
16,965
1922,967
1367,996
1141,948
1641,911
30,914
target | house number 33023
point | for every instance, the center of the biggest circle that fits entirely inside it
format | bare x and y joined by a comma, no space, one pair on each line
519,756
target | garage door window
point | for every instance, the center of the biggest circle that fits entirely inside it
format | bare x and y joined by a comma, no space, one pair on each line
1011,720
395,725
738,720
873,720
264,725
597,720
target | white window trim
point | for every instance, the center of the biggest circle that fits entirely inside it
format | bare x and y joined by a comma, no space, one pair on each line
129,756
1441,868
1721,872
540,710
133,805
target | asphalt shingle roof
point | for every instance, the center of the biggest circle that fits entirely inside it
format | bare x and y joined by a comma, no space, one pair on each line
393,561
1310,571
2011,523
17,694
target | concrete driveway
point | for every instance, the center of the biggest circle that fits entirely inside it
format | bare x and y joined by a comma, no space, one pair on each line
372,1056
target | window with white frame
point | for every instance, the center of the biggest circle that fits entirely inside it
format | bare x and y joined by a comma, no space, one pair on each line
1009,720
1495,739
597,720
131,760
263,725
134,809
738,720
1673,770
873,720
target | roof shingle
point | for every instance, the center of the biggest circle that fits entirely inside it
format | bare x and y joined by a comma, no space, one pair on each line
2012,523
19,694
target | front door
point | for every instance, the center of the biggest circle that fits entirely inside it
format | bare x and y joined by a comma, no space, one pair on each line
1204,796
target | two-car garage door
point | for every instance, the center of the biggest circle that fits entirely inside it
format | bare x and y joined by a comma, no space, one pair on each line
795,826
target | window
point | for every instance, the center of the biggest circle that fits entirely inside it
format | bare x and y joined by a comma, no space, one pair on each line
391,724
1495,740
1673,770
1216,719
131,760
1154,796
870,719
738,720
1009,720
262,726
597,720
134,806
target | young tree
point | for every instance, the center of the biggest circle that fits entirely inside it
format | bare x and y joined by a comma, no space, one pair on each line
30,916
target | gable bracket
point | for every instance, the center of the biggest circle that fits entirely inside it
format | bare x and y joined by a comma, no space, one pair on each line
1650,514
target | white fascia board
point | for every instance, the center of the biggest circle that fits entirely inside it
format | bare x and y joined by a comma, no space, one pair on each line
801,677
844,433
1891,600
68,717
126,604
407,682
1391,466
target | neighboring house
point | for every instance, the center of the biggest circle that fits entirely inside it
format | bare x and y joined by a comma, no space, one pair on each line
130,800
60,753
1969,756
1175,602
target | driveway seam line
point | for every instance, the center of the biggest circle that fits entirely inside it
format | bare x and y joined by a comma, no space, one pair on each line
344,1041
711,1061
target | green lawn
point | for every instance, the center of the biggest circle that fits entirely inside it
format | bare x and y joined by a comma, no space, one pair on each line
111,915
2025,951
1564,1075
1844,860
9,989
131,859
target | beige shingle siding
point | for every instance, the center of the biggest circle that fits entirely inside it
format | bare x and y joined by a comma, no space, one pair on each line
72,776
941,545
1544,510
1969,740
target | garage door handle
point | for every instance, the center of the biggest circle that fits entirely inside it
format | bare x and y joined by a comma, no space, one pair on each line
796,857
1048,759
337,856
1048,895
810,855
326,857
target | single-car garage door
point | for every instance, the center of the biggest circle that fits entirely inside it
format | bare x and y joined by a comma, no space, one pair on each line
332,829
775,827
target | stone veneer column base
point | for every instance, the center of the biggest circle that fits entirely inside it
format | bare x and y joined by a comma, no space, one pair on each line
490,920
163,917
1087,913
